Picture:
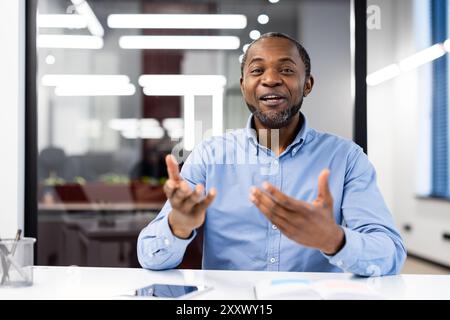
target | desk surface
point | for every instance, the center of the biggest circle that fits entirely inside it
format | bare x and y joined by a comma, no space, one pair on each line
111,283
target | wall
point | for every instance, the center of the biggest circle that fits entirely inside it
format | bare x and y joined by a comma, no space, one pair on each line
12,63
398,113
324,30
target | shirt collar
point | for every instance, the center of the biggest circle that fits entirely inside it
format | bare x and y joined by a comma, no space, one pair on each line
292,148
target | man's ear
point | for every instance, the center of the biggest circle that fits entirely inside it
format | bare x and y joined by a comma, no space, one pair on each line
309,83
241,80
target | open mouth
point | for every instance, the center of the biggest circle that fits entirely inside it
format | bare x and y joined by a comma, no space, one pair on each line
272,99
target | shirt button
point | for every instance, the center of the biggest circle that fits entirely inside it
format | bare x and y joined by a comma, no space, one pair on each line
166,242
340,263
272,260
275,163
274,227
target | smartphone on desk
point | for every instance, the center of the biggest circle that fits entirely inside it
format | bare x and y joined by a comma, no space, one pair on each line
176,291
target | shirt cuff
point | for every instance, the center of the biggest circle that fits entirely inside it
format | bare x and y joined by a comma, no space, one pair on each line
347,256
170,241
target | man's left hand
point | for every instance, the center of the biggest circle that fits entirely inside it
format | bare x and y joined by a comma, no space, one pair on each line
310,224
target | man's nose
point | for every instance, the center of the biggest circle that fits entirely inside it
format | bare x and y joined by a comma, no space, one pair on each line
271,78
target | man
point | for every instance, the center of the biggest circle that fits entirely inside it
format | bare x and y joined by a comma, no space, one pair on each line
280,195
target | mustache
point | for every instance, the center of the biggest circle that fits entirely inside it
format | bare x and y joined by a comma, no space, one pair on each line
279,119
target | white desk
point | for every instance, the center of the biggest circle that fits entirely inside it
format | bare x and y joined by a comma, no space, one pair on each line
111,283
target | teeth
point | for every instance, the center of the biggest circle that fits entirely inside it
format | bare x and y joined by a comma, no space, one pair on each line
272,97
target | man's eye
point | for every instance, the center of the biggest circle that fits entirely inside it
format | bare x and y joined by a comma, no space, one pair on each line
256,70
287,70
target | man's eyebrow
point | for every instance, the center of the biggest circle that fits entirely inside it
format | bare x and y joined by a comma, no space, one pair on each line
256,59
287,59
283,59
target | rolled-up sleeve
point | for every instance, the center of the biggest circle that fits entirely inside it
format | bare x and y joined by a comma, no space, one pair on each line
373,246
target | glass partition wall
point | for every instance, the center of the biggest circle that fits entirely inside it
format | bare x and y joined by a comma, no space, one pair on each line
123,83
408,111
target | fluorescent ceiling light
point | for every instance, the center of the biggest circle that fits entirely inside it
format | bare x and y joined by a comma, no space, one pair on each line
179,42
69,41
181,85
84,9
53,80
263,18
382,75
174,127
447,45
89,84
177,21
131,124
176,133
181,80
144,133
172,123
69,21
422,57
123,124
274,1
148,123
188,86
125,90
409,63
159,91
254,34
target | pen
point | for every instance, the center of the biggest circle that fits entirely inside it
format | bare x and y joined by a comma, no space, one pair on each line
8,255
16,240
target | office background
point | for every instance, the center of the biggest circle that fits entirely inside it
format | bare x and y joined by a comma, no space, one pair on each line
78,130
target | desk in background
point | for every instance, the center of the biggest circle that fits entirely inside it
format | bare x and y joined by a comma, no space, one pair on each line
100,207
99,234
111,283
92,234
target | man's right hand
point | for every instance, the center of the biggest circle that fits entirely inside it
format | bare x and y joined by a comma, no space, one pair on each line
188,206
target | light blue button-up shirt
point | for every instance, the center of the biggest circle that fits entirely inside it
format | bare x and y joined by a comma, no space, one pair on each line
237,236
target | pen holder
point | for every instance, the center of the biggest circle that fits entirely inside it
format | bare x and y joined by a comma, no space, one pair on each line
16,262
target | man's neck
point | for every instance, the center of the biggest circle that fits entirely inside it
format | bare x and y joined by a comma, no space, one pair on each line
278,139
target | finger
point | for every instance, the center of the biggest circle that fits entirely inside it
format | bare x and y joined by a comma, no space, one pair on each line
199,189
181,193
172,168
324,195
279,220
207,201
169,188
194,198
284,200
278,196
258,196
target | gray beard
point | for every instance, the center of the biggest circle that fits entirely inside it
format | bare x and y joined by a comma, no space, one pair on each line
278,120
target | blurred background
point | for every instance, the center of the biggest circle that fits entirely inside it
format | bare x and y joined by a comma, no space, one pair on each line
123,83
120,84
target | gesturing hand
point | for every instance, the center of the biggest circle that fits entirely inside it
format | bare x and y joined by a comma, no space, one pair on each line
310,224
188,206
